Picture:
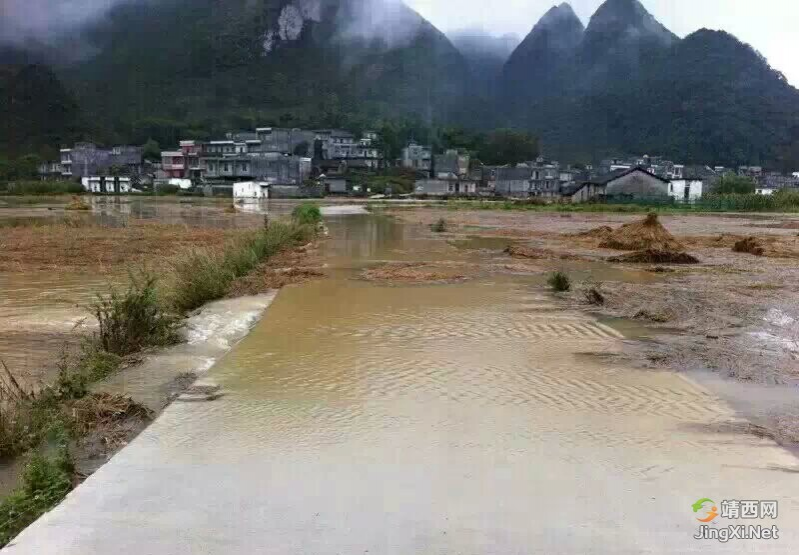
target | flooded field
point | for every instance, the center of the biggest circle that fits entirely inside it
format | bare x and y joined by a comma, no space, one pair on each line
53,262
478,416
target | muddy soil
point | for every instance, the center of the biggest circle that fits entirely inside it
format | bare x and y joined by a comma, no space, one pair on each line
734,313
291,267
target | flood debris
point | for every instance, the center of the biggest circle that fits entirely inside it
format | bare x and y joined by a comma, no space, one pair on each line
645,235
652,256
601,232
656,316
105,422
410,272
750,245
594,296
534,253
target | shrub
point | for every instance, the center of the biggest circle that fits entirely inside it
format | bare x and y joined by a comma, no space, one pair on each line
44,188
307,213
203,275
45,483
560,282
134,320
200,276
440,226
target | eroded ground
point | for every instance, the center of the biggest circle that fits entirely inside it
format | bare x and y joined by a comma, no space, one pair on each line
733,314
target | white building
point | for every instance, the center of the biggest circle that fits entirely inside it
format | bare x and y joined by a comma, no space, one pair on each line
118,185
686,190
766,191
251,190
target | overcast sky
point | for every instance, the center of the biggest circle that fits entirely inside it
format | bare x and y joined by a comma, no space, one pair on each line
770,26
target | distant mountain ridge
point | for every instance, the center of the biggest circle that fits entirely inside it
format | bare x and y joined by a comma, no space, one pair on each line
623,83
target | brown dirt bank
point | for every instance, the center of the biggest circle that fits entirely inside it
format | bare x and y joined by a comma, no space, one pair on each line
100,248
286,268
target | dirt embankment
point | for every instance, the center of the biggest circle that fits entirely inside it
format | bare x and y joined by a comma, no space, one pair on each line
286,268
97,248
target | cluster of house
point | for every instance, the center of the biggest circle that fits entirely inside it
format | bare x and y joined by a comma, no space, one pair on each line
281,162
646,177
272,161
101,170
276,159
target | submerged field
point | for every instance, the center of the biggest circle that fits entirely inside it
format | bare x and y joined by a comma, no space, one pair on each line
732,314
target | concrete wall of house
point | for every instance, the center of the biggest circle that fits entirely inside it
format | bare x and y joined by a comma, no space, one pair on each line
638,185
250,190
432,187
512,187
684,190
336,186
587,193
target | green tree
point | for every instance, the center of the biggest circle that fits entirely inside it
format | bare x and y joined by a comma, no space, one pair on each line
506,146
152,150
27,167
733,184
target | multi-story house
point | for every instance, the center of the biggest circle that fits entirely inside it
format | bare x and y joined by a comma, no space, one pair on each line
513,182
86,160
417,157
335,144
544,178
51,170
283,141
451,164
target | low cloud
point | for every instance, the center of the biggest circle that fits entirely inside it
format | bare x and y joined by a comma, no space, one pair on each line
47,21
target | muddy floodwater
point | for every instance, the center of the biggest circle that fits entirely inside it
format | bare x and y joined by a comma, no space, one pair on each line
479,416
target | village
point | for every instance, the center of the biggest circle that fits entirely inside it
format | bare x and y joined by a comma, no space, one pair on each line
295,163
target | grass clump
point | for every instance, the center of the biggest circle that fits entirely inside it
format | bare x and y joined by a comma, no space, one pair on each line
200,275
440,226
77,204
46,481
131,321
560,282
307,213
203,275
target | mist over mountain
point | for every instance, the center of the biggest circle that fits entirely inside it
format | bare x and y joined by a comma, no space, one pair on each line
541,64
485,54
622,83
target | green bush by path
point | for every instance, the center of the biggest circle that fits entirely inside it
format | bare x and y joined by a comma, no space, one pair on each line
131,321
203,275
307,213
